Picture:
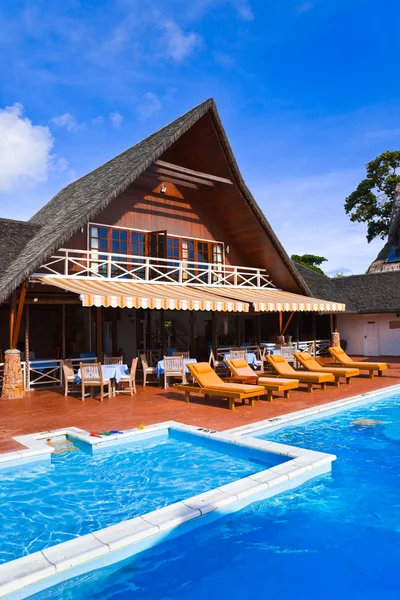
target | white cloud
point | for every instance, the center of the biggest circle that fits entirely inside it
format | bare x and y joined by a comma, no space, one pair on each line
304,7
98,121
383,133
24,149
180,45
308,217
116,119
244,10
68,121
149,106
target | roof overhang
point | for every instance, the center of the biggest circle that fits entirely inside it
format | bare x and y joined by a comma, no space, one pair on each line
138,294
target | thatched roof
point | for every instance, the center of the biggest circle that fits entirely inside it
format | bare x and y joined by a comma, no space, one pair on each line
80,201
369,293
14,235
393,241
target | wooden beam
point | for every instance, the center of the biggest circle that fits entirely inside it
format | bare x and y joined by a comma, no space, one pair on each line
162,163
18,319
280,322
26,346
170,180
99,333
287,323
50,299
13,306
177,175
63,331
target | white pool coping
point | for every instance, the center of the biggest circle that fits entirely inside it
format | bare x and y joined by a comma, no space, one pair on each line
30,574
315,411
24,576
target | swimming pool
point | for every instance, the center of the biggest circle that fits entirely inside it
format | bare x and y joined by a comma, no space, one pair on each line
337,536
78,492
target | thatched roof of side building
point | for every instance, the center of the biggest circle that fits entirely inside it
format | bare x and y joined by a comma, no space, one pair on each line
80,201
370,293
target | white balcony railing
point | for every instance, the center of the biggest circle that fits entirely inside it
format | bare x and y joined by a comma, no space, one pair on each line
104,265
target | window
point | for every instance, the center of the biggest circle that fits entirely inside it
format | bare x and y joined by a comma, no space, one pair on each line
394,256
119,241
98,243
138,241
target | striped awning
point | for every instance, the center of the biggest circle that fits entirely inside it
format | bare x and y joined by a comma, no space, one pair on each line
271,299
130,294
133,294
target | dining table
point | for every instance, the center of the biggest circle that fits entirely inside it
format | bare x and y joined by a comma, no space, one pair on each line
115,372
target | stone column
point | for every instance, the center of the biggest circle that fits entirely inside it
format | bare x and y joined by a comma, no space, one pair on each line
335,339
13,382
280,340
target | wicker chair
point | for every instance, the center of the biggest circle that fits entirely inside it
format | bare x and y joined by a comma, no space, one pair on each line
147,370
129,379
174,366
92,376
113,360
69,377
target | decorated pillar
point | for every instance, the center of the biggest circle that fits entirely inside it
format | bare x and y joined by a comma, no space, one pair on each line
335,339
13,382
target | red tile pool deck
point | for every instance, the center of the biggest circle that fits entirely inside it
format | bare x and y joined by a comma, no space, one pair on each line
49,409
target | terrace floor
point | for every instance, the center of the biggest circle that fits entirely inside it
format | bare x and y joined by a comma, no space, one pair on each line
47,410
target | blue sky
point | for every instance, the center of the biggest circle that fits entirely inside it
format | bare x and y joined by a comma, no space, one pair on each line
308,91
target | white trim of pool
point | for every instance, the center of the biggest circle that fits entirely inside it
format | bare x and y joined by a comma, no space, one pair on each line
22,577
35,572
306,414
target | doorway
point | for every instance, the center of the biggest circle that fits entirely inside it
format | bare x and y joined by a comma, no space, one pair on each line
371,337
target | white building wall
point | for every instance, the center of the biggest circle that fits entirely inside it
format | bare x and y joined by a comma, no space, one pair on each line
351,329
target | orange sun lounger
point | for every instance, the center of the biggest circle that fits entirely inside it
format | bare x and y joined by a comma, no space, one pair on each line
241,369
311,364
210,384
310,378
345,360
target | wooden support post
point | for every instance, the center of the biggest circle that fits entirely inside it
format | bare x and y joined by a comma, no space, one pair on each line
162,333
13,305
214,335
18,318
334,323
314,332
63,328
297,327
287,323
99,333
192,345
27,315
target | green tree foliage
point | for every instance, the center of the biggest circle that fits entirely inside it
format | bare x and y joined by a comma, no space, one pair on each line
372,201
310,260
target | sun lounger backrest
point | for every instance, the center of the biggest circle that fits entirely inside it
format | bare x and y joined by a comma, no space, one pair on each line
204,374
240,367
307,361
341,355
280,364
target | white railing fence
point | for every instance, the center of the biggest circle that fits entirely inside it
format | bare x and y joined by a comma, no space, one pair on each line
45,373
104,265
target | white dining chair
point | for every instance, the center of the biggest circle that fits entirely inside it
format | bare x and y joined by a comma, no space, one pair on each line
147,370
174,366
130,379
92,376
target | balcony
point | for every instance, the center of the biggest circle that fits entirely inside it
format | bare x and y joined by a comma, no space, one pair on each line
90,263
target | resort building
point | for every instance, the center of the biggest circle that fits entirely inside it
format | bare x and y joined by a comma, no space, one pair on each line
161,247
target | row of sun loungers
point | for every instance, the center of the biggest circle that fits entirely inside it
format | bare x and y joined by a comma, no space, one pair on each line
246,384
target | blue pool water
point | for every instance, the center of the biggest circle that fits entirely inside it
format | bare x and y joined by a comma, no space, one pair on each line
78,492
337,536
